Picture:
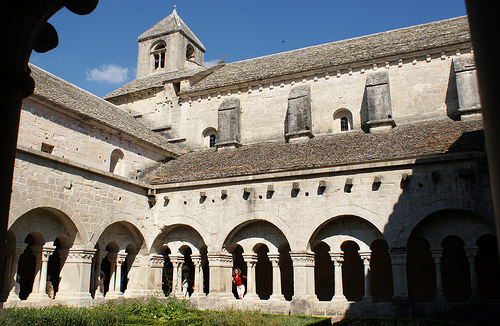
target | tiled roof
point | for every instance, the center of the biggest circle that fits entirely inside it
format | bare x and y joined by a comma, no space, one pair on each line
414,140
89,106
392,43
153,81
170,24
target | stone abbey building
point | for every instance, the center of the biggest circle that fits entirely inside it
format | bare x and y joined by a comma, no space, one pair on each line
343,179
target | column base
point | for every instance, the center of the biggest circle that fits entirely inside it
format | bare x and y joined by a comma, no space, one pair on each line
302,304
251,296
277,297
72,295
113,295
13,297
38,297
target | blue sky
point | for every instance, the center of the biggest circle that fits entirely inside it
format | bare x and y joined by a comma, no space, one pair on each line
98,52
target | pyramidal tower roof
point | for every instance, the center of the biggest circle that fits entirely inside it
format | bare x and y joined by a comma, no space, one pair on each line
170,24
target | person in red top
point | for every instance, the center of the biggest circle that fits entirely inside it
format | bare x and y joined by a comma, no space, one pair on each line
238,280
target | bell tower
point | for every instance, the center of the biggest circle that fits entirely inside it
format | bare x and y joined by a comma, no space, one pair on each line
168,46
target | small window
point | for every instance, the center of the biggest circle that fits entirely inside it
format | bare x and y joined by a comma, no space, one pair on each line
189,52
158,53
344,124
47,148
212,140
116,162
342,120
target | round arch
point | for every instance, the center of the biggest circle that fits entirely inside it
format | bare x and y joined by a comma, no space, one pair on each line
337,230
451,222
50,223
62,210
176,237
252,234
238,222
175,221
401,234
122,233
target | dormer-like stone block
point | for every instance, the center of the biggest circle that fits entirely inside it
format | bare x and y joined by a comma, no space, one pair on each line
228,124
298,121
378,98
467,88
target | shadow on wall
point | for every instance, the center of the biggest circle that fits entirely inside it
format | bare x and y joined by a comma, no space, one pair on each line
442,232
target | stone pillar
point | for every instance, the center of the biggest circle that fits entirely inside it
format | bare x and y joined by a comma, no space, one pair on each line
304,296
112,293
338,259
277,295
137,276
366,256
298,121
76,275
177,261
471,253
251,261
467,87
99,289
228,123
401,303
437,254
378,99
221,265
42,254
120,259
198,277
156,263
16,251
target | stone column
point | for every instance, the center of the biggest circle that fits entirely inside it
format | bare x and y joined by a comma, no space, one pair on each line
366,256
338,259
471,253
401,304
42,254
138,274
177,261
277,295
304,297
16,250
251,261
198,277
437,254
221,265
120,259
99,289
112,275
76,275
156,263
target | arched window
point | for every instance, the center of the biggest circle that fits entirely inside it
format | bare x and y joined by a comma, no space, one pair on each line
158,55
189,52
342,120
209,137
115,162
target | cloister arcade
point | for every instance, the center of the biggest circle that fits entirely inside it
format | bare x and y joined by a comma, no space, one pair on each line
451,256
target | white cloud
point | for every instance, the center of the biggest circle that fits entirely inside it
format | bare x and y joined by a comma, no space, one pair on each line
211,63
110,73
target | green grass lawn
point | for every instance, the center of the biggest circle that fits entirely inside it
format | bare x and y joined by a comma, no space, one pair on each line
151,312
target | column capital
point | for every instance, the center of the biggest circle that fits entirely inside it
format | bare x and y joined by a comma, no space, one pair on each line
337,257
196,259
436,253
365,256
274,258
398,255
101,254
16,248
302,258
120,257
80,255
47,251
156,261
250,258
471,251
176,259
